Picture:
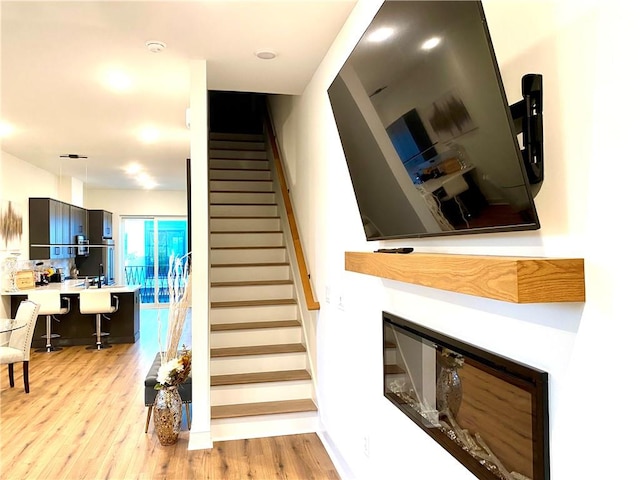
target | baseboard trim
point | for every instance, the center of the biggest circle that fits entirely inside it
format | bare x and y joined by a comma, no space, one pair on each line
336,457
200,440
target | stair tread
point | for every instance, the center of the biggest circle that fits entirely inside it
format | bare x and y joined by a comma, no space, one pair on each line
263,408
244,231
257,350
229,148
241,191
244,217
252,283
223,327
393,369
248,147
249,247
235,204
240,169
241,180
239,265
215,154
259,377
253,303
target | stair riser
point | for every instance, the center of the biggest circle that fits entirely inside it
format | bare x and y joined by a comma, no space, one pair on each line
241,197
246,239
265,426
265,313
239,164
237,137
243,210
390,357
260,392
244,274
258,363
239,174
244,155
234,145
240,186
248,255
245,224
253,292
263,336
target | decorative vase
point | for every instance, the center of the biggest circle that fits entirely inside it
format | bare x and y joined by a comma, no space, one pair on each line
449,387
167,415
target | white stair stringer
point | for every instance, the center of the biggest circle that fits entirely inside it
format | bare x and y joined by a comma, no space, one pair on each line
260,377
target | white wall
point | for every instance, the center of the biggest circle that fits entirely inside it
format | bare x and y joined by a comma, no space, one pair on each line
200,435
20,180
587,207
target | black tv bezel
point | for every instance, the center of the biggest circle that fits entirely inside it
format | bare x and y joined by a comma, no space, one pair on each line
531,379
531,124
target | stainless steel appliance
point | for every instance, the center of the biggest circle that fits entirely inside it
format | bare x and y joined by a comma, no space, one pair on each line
100,262
82,249
108,261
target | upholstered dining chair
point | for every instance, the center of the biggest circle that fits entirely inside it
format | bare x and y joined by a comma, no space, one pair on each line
19,347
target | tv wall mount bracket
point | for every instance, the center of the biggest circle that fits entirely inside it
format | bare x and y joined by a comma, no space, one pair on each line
527,120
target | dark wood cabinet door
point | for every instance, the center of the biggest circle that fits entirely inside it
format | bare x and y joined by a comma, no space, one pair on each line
54,223
108,225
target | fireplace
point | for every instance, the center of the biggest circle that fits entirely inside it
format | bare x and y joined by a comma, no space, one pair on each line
488,411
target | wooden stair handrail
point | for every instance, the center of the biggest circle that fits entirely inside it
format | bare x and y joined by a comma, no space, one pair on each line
312,303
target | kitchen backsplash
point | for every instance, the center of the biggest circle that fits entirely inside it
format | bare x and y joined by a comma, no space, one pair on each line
15,262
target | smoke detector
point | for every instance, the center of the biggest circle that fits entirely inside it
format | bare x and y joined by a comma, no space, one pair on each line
266,54
155,46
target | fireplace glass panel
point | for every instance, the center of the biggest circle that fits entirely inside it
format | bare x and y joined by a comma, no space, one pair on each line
488,411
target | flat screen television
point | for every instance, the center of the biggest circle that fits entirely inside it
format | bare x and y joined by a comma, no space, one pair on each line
431,144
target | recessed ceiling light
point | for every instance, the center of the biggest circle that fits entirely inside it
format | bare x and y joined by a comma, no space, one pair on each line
156,46
149,134
381,34
146,181
266,54
118,81
431,43
133,168
5,129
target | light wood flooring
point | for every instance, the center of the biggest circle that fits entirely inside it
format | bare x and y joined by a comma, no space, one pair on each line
85,416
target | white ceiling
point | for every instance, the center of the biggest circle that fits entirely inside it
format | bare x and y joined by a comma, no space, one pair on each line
56,57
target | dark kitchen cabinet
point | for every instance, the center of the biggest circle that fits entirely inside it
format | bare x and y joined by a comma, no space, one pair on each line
78,222
77,225
63,229
45,228
55,224
100,225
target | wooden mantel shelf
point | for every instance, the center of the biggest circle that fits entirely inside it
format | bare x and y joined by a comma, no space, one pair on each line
510,279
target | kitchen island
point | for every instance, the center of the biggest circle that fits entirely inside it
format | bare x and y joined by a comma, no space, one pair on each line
75,328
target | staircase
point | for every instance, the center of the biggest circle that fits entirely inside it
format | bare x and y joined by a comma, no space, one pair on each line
260,380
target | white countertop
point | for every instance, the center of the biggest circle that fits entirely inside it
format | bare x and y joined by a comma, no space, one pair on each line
70,286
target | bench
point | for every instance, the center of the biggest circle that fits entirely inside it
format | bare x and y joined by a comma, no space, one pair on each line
150,392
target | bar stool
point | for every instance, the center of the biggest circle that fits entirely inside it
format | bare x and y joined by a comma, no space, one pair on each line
51,304
99,302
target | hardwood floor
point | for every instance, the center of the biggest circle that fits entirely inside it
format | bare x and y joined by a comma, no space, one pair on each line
85,417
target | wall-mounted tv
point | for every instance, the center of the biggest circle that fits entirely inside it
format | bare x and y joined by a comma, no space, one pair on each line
430,141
